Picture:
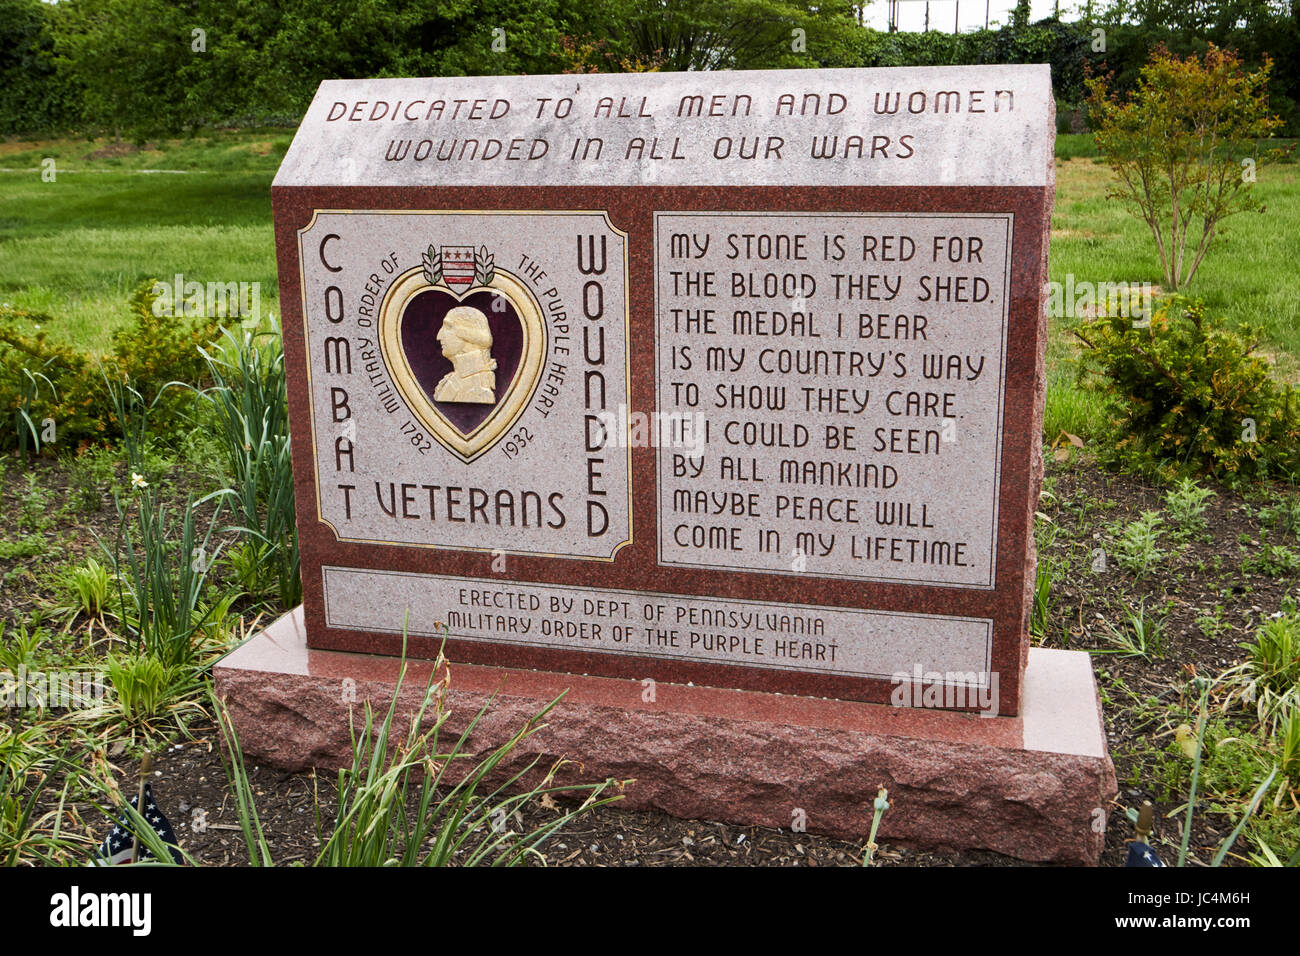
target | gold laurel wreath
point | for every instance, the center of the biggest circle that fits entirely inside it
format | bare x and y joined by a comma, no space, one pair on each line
485,269
432,266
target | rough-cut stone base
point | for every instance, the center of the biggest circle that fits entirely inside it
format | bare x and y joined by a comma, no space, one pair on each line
1036,787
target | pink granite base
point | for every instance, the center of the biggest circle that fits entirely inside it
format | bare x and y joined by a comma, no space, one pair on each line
1036,787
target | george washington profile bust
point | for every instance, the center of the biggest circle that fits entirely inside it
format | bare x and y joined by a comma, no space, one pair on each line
466,341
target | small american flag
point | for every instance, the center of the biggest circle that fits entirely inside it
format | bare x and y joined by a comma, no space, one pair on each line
1141,854
1139,850
119,843
458,266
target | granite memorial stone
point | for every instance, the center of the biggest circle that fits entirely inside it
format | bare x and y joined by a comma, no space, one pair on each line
721,379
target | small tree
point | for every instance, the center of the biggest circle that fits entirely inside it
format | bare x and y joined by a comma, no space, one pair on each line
1185,145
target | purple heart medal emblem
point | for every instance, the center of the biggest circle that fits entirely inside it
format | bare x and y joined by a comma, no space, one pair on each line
465,343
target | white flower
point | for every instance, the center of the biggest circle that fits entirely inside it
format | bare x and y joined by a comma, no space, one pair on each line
137,481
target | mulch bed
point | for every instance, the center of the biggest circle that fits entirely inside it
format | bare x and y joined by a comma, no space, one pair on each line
1083,502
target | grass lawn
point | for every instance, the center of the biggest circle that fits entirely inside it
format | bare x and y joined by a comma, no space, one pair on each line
1096,239
77,247
1190,583
115,215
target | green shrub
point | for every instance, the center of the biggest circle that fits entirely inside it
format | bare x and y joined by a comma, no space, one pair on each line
1190,396
1136,543
1175,144
155,351
72,397
150,354
1187,502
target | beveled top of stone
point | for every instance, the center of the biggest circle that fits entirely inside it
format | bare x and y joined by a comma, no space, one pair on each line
907,126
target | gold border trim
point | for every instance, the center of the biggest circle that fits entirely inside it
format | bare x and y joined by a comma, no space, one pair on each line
391,315
999,432
627,370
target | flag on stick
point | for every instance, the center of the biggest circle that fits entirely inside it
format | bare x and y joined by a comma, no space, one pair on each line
123,845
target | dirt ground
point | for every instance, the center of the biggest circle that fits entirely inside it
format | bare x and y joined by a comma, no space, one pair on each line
1079,509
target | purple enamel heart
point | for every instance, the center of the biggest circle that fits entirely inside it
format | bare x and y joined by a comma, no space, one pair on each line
420,322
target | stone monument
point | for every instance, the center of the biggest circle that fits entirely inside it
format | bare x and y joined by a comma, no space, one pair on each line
714,399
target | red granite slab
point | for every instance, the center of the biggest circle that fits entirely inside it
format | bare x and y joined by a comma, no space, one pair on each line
635,566
1037,786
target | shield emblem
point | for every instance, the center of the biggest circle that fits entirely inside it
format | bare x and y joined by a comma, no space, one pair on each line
464,347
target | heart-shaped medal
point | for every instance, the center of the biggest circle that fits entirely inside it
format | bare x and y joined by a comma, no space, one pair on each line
465,344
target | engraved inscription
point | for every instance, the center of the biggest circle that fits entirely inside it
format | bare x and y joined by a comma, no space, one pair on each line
794,637
846,372
458,363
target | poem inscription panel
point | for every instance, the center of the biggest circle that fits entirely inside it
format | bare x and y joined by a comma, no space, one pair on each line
831,389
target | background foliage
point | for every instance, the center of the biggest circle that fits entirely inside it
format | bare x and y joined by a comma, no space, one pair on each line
150,353
137,68
1189,395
